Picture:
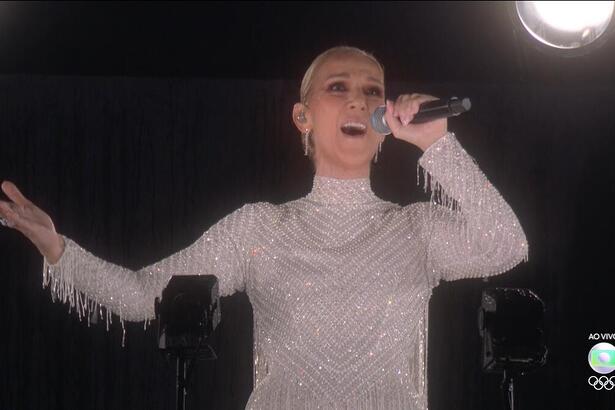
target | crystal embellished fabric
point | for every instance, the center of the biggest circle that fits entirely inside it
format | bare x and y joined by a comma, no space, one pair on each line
339,281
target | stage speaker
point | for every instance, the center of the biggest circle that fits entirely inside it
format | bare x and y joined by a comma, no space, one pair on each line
188,314
510,321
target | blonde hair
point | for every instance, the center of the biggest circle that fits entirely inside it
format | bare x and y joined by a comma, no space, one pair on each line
308,77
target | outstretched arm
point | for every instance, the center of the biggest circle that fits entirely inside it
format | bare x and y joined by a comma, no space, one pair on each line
86,281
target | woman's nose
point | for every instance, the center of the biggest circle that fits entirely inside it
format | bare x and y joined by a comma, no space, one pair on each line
357,102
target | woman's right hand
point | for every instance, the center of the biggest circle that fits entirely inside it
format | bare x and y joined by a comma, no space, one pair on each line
21,214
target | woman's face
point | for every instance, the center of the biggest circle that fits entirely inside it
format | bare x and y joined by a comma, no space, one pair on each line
346,89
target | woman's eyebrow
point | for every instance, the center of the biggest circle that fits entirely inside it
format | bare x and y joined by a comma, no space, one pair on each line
346,75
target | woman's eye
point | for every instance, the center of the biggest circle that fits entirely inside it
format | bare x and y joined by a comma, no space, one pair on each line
337,87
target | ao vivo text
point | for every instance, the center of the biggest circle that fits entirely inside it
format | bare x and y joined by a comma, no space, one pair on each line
602,336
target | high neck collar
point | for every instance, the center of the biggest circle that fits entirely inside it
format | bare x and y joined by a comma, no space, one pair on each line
328,190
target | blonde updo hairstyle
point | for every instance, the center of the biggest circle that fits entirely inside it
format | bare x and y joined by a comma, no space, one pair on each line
308,77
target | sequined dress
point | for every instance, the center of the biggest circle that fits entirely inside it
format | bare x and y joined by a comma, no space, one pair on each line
339,281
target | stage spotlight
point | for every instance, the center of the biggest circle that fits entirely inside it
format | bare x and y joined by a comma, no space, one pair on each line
566,25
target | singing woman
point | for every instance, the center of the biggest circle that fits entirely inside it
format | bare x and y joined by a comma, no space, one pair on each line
339,280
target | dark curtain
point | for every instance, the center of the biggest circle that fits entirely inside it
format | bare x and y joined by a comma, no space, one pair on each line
136,169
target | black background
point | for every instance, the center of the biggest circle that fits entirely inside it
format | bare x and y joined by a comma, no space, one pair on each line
136,126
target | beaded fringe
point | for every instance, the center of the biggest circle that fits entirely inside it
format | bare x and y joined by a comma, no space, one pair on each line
60,281
440,202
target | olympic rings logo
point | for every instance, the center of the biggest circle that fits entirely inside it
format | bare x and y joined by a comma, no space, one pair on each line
602,382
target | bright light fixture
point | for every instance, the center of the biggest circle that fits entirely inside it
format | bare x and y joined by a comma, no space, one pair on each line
566,24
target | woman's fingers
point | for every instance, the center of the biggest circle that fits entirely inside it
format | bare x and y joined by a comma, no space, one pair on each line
407,105
405,108
13,219
24,207
30,220
25,218
4,221
399,116
392,121
11,190
6,211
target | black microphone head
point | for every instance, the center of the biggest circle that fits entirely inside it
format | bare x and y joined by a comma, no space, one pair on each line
378,121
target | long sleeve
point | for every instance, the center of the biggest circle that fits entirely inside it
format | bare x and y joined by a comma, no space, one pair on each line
86,281
475,232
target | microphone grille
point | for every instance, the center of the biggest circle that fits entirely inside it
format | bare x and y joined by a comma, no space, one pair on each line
378,122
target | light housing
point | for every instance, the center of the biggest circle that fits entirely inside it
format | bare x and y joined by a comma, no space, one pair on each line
569,27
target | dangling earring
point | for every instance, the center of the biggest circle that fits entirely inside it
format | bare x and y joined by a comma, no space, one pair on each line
306,136
379,150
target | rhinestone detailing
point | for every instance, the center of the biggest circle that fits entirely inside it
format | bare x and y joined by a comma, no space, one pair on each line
339,281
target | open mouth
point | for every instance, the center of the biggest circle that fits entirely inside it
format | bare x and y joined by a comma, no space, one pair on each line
354,129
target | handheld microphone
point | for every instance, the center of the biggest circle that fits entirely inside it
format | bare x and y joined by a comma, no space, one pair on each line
428,111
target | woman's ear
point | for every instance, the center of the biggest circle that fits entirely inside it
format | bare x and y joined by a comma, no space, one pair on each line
301,117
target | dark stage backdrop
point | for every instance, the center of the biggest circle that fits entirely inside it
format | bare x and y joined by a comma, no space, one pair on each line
136,169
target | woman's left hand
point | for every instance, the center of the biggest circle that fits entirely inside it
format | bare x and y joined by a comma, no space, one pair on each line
399,114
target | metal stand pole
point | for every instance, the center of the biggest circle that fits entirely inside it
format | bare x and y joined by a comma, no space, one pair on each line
508,391
181,382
